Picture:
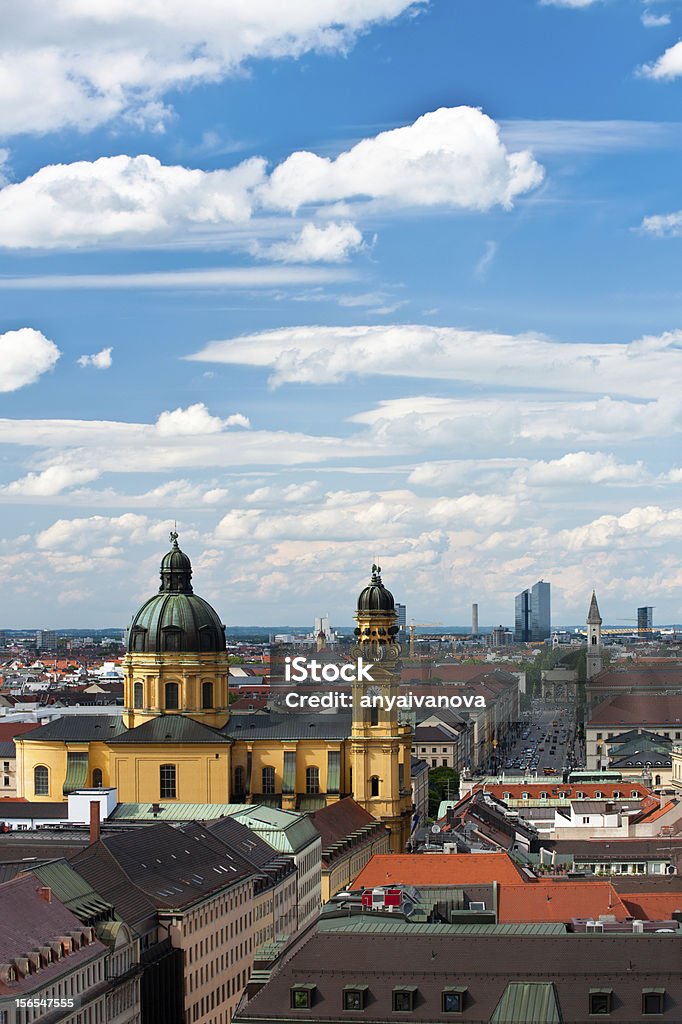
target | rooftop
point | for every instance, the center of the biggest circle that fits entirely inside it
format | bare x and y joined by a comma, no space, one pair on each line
438,869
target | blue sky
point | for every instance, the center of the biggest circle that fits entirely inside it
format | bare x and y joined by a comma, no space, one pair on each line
329,281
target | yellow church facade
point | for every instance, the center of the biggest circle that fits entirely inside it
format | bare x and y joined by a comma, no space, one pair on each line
176,741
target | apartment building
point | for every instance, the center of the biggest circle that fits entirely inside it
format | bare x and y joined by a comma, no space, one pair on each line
51,965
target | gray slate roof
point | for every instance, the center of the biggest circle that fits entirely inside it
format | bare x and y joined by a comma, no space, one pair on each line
171,729
77,728
289,727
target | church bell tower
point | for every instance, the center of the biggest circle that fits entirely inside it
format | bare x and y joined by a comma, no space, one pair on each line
594,648
380,746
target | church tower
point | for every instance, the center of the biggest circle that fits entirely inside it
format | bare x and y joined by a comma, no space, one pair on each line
380,753
176,661
594,649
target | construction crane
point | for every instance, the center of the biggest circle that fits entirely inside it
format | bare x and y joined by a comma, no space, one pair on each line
420,625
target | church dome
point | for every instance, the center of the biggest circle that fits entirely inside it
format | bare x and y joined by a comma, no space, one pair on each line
176,619
375,597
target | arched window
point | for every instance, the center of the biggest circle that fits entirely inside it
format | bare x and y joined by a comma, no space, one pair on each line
239,781
374,715
268,780
171,696
167,782
594,640
312,780
207,695
97,777
374,785
657,780
138,695
41,780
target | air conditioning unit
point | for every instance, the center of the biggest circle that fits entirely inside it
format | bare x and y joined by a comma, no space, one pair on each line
638,927
594,926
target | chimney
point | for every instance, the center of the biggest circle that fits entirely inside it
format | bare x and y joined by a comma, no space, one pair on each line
94,821
45,893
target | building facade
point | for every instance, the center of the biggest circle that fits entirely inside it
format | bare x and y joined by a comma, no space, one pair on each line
175,739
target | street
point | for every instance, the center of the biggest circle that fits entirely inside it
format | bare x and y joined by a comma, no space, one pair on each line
546,744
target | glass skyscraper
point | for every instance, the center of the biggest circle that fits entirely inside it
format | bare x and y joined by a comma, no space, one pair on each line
532,613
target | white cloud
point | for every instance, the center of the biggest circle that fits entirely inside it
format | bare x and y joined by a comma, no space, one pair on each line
645,368
117,58
214,277
567,3
485,262
99,536
650,20
449,157
100,360
4,166
332,243
586,468
121,199
423,421
664,225
554,136
24,356
647,526
574,469
195,419
49,482
668,66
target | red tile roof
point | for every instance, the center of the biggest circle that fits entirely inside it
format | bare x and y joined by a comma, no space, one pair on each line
639,709
337,821
565,791
8,730
652,906
559,901
438,869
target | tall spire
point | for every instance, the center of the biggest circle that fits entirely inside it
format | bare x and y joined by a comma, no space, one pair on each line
593,616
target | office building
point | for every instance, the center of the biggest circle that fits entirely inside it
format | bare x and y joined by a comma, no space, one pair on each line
401,621
532,613
645,620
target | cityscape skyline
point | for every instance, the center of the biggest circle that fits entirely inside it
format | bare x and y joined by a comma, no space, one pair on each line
351,290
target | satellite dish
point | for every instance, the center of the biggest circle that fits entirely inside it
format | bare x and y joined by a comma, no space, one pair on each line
435,829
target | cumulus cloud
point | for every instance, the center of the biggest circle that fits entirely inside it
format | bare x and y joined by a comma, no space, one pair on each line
650,20
25,355
99,360
329,354
122,199
50,482
664,225
449,157
643,526
332,243
423,421
100,536
668,66
584,467
196,419
117,58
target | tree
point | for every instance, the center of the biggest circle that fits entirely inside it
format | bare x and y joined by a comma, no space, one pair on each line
443,785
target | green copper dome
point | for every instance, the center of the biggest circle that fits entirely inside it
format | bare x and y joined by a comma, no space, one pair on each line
375,597
176,619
